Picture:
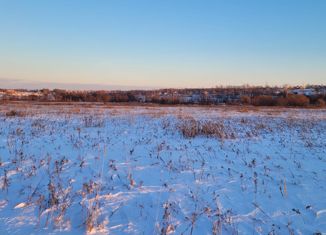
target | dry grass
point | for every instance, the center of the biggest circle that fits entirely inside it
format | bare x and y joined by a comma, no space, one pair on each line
14,113
58,195
190,128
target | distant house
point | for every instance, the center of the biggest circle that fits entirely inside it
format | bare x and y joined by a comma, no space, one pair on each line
322,91
140,98
185,98
50,97
306,92
196,98
216,99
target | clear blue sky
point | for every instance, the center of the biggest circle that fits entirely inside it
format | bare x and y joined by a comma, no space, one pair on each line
166,43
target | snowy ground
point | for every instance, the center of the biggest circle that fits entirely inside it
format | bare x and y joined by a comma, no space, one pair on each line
75,169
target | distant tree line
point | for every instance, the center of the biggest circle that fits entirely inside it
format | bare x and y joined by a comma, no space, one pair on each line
257,96
289,100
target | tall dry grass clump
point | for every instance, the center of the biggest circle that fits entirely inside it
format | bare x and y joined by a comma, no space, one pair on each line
14,113
190,128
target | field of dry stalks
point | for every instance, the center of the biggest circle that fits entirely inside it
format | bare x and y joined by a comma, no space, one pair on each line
75,169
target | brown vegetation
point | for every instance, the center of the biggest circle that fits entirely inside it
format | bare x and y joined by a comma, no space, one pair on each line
290,100
190,128
14,113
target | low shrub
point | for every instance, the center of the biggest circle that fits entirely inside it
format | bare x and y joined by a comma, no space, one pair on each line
297,100
264,100
245,99
320,103
14,113
290,100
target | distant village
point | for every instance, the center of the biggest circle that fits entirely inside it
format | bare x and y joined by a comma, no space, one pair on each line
285,96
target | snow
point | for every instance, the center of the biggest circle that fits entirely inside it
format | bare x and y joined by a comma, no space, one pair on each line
96,169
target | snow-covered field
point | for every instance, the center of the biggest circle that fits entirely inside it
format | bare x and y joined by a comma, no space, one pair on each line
77,169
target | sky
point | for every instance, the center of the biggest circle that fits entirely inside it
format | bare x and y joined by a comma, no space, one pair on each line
161,43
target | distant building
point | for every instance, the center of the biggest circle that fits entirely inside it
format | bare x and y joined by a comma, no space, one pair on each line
306,92
140,98
185,98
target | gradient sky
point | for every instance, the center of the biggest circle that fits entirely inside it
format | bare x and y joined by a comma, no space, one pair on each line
166,43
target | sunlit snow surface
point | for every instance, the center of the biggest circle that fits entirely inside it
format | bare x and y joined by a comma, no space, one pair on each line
75,169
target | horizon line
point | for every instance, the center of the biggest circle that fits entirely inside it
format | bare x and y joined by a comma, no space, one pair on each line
17,84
